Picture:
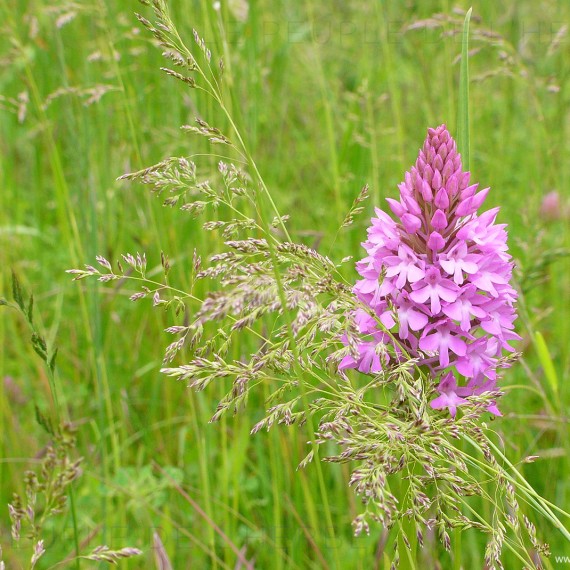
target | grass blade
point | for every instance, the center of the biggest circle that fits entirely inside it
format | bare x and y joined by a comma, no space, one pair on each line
463,112
546,362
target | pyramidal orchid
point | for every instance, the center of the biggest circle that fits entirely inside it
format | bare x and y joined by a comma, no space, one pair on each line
438,280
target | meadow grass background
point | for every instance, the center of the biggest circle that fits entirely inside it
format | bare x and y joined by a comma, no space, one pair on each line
330,96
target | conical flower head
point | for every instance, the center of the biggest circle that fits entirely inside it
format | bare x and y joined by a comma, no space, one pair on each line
438,277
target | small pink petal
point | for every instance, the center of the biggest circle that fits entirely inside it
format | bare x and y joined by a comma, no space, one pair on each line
494,410
439,220
430,342
396,207
387,319
447,294
457,345
415,273
469,192
469,267
411,223
464,181
347,362
480,197
436,181
472,204
421,295
452,185
427,194
447,170
453,311
417,320
435,241
412,205
442,199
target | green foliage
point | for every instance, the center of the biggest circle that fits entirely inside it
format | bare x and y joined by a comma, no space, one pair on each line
144,486
83,101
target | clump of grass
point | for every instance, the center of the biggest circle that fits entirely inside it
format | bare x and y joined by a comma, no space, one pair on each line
48,490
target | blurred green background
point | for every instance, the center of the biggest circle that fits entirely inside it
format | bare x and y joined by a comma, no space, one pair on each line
330,96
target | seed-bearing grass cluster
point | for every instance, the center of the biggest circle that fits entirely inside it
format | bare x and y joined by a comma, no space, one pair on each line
49,490
434,284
